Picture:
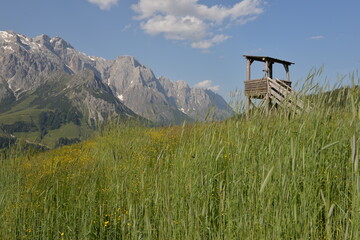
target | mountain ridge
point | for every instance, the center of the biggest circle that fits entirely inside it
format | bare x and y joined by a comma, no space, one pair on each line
51,69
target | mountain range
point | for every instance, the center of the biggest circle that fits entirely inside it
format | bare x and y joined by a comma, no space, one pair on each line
51,93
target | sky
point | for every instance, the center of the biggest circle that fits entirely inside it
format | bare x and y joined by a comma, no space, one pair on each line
202,42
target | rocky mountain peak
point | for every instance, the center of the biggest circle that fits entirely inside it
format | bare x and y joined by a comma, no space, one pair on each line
27,63
6,35
182,84
60,43
9,35
129,60
42,38
15,42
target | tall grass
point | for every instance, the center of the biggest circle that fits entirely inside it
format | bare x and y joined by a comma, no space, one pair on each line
283,176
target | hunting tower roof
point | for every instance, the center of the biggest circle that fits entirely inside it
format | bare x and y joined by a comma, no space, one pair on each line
265,58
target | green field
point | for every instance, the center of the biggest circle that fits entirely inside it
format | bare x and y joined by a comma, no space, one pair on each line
282,176
46,115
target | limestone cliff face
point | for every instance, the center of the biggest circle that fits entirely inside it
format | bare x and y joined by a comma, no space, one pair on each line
94,99
200,104
24,63
138,88
7,96
99,88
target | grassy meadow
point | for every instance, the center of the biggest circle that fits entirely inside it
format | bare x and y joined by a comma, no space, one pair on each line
282,176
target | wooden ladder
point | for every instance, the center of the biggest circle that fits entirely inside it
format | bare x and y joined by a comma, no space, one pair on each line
284,95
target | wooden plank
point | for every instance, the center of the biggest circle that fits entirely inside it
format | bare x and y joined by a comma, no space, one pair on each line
248,70
248,102
283,101
255,81
286,94
291,94
283,91
284,84
288,83
257,90
264,58
255,86
258,79
255,95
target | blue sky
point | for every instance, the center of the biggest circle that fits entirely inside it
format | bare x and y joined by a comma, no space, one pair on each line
201,41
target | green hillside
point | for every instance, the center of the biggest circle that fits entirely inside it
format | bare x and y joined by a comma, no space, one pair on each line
283,176
42,125
55,111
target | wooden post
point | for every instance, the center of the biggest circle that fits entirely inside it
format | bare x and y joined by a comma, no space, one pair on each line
287,72
248,102
248,70
268,99
266,69
248,78
267,104
271,70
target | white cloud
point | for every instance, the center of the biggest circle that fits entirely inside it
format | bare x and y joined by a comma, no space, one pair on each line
316,37
205,44
214,88
178,28
191,21
208,85
243,21
104,4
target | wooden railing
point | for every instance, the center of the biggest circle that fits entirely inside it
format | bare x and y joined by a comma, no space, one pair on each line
258,88
283,94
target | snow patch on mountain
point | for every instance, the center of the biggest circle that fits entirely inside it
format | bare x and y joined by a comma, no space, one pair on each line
121,97
6,36
8,48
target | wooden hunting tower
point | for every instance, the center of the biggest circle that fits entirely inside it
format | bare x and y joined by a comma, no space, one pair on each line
271,90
